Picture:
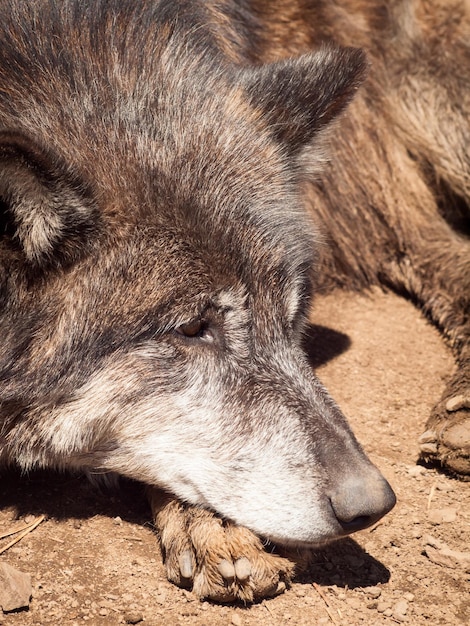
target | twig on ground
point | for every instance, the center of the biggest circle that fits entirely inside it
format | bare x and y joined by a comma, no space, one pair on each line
325,600
15,530
431,495
375,526
23,532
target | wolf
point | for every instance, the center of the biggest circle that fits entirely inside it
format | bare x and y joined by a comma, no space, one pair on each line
177,180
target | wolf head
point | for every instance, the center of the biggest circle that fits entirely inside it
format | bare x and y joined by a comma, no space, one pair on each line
157,273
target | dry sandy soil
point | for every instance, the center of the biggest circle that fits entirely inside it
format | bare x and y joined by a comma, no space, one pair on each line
95,559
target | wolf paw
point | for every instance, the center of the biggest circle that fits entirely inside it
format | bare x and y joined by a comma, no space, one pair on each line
447,439
217,559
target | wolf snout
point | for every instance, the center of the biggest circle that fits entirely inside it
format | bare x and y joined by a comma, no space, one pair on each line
360,500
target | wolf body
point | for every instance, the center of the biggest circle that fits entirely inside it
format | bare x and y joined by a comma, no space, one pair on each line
168,212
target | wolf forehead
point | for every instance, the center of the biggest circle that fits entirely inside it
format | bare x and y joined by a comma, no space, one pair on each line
168,146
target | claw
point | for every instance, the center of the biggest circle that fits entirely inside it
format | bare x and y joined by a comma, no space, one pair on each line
276,589
428,448
226,570
429,436
458,402
281,587
186,565
243,569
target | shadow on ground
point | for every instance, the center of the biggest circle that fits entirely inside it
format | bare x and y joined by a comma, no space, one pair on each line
323,344
62,496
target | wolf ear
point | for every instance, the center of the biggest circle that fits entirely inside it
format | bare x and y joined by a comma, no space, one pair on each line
301,96
43,212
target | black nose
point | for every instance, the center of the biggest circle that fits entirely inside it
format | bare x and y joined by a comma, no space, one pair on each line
362,499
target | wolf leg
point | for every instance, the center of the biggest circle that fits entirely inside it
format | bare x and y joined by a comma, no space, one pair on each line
217,559
447,435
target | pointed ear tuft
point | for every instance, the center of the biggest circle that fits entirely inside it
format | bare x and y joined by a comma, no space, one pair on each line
43,211
300,96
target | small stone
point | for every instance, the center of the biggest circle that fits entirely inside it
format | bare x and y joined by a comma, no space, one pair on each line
15,588
383,606
374,592
354,603
438,552
236,620
416,470
117,520
400,608
133,617
409,596
442,516
444,486
399,618
161,597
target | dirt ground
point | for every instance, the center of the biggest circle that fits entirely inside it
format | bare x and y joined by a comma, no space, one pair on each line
95,560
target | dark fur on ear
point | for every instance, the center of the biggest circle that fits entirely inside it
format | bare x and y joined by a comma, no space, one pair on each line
44,211
301,96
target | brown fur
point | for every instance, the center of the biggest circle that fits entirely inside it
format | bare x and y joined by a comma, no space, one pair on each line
175,183
393,206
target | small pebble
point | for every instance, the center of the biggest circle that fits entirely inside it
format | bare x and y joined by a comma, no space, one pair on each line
373,592
133,618
383,606
442,516
354,603
400,608
416,470
444,486
236,620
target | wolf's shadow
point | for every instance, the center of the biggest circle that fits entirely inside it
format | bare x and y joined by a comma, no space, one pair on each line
61,496
322,344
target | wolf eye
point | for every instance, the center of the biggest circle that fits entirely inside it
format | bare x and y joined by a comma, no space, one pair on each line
197,329
192,329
